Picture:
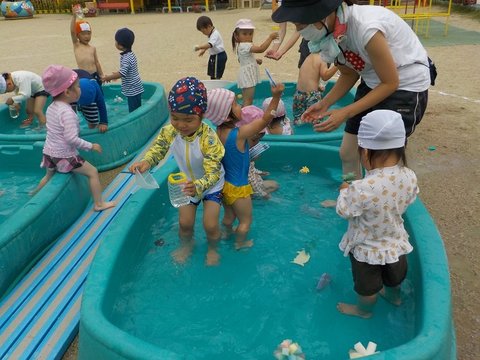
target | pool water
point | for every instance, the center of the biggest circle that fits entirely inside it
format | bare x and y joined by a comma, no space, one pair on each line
14,190
115,110
255,298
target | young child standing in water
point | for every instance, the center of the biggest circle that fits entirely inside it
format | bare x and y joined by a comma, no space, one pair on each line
376,239
132,86
60,150
198,153
85,54
242,43
235,126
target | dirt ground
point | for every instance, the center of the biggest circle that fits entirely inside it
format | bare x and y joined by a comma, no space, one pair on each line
444,151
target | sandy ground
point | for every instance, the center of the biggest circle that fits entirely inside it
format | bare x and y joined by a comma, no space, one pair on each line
447,175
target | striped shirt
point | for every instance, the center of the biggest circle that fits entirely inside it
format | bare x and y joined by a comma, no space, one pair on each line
131,82
63,129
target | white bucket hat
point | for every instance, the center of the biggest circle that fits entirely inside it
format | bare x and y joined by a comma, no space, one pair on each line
381,130
3,85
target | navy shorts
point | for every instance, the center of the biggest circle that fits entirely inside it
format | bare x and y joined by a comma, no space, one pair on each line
215,197
216,65
411,105
370,279
40,93
134,102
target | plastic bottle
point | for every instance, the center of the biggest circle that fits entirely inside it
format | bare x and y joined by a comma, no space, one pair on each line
13,109
175,189
277,29
77,9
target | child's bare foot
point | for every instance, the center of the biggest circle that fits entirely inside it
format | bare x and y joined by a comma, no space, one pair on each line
243,244
26,123
213,258
354,310
105,205
392,296
182,254
226,231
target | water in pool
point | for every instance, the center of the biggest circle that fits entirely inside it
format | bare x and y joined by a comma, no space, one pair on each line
256,298
19,185
115,110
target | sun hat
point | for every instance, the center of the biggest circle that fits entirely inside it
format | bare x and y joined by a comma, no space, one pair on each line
82,26
3,85
125,37
244,24
57,78
219,105
381,129
188,96
304,11
280,110
249,113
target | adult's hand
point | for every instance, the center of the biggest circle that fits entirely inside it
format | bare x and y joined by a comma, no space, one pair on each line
315,112
333,122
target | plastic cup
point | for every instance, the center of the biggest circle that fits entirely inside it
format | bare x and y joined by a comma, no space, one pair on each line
13,110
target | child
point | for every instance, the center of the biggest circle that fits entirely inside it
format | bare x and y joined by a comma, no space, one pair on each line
132,86
27,86
60,150
218,56
198,153
91,102
85,54
234,127
376,239
308,90
249,73
280,125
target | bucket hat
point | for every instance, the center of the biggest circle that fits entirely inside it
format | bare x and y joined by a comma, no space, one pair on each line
219,105
304,11
57,78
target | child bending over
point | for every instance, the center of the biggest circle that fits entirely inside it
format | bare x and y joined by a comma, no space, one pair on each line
60,150
85,54
242,43
376,239
198,153
27,86
309,91
235,125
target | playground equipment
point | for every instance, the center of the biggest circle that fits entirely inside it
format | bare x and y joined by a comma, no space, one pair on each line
12,10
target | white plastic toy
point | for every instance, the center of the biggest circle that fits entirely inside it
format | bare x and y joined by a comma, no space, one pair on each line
359,350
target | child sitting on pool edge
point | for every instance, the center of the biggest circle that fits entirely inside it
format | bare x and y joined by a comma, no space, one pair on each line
198,153
235,127
60,149
376,239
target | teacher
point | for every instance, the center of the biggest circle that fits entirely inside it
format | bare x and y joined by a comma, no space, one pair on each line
370,43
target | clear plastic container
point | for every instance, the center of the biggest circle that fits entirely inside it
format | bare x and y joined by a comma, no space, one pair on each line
13,110
176,182
78,11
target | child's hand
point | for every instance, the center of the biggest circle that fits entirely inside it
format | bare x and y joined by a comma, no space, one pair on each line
141,166
344,185
277,90
189,188
9,101
259,61
102,128
201,52
273,36
97,148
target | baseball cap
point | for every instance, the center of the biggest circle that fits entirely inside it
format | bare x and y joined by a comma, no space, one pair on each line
244,24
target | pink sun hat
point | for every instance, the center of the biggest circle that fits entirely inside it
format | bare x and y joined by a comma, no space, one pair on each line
219,105
57,78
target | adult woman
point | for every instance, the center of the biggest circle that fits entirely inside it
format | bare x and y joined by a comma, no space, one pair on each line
370,42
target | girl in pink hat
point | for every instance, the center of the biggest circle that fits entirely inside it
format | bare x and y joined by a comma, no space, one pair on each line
235,126
60,150
242,43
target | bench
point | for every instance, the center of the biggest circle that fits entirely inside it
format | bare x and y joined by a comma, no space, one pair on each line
113,6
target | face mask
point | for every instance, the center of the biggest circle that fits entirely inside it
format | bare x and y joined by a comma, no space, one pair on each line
311,33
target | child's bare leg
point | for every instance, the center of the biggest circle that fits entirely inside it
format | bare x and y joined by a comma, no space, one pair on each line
243,209
210,223
247,95
186,220
29,110
38,105
91,172
349,155
227,222
48,175
363,309
392,295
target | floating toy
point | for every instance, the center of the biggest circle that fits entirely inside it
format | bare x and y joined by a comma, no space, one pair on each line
288,350
302,258
323,281
349,177
359,350
117,99
304,170
329,203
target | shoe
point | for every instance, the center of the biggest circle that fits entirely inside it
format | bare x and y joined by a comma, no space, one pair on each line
26,123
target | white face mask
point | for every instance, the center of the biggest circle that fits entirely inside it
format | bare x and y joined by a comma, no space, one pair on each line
311,33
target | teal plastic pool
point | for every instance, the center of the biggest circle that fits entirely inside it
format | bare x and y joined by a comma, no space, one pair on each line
302,133
127,132
139,304
29,225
